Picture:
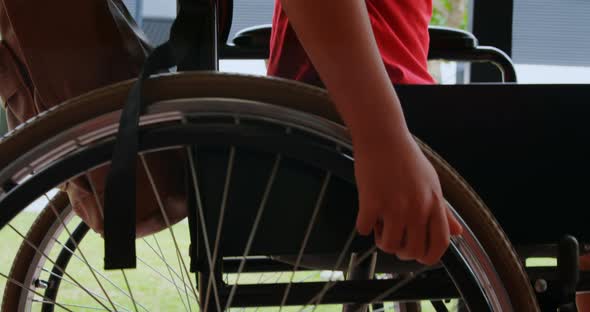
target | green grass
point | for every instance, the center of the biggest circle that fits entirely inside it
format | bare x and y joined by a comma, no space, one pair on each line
148,287
541,262
10,242
155,291
152,290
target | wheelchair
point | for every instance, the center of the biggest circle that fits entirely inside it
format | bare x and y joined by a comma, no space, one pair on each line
270,165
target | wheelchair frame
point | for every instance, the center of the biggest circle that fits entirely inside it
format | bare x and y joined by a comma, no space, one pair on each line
531,117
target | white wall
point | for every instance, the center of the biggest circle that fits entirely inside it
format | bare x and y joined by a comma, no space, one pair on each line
159,8
552,74
253,67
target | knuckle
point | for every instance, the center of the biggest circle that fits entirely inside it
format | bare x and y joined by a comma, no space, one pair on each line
433,257
386,247
430,260
403,255
409,252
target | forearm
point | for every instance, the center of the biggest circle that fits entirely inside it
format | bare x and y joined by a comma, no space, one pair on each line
338,38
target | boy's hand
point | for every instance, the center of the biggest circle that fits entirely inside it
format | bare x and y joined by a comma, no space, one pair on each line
401,200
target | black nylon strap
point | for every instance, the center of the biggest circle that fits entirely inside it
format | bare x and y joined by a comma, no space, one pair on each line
120,190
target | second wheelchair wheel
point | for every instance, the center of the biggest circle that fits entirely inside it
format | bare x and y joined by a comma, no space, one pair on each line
270,171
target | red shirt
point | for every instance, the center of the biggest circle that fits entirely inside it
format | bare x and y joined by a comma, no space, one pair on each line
401,31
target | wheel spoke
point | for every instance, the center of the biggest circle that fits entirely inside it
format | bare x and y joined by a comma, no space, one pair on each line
85,260
229,170
396,287
178,256
96,197
318,298
160,254
97,271
310,226
166,220
69,305
310,275
129,288
19,284
255,226
57,266
201,217
75,285
275,281
172,279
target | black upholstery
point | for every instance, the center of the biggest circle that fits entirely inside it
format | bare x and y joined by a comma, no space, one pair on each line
258,37
450,38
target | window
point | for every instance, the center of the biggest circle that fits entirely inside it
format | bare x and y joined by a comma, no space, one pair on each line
550,41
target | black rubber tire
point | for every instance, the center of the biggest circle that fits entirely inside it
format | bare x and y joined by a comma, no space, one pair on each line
278,92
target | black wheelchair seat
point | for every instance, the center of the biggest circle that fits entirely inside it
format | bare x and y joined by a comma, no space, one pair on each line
523,148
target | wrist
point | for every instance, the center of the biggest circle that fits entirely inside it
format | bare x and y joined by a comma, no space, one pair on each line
378,122
372,113
377,134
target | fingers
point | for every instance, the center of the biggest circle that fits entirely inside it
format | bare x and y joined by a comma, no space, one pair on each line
455,227
414,246
392,236
438,236
423,234
366,219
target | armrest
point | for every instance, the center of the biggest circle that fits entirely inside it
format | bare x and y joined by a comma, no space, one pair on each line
445,38
441,38
458,45
256,37
445,43
249,43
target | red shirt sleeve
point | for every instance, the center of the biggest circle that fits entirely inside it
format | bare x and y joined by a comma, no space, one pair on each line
401,32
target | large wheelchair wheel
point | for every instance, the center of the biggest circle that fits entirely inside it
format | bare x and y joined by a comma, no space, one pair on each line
270,168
